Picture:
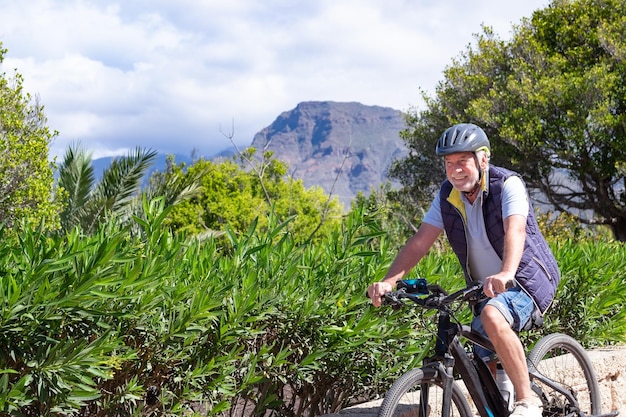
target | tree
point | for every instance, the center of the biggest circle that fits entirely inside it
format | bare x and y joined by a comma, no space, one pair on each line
240,198
85,202
553,102
26,175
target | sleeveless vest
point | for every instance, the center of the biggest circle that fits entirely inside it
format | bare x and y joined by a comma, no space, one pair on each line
538,272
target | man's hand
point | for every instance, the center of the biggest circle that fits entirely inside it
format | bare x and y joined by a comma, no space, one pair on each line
377,290
497,284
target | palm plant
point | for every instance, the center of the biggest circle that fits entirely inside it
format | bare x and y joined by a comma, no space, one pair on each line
88,203
76,177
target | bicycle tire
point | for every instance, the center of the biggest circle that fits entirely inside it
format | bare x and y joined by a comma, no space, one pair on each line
402,399
562,359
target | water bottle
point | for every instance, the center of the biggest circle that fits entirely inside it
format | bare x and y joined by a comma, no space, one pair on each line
505,386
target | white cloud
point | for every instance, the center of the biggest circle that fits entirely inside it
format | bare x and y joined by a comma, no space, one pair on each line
175,76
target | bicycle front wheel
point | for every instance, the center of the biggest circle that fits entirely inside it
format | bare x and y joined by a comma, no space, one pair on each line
562,359
404,398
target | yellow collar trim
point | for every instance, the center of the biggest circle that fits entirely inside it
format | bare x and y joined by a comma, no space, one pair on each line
454,197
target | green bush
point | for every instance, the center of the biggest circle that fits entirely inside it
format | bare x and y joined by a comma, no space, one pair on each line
143,322
126,323
590,301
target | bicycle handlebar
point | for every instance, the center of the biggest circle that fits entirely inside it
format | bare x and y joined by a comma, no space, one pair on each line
431,296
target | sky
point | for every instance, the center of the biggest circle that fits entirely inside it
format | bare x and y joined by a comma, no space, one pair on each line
183,76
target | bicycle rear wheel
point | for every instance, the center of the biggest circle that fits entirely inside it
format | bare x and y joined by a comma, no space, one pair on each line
403,398
562,359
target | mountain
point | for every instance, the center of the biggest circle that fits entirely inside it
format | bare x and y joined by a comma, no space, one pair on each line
342,147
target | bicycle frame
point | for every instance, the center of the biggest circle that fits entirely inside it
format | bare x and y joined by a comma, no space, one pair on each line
451,360
451,356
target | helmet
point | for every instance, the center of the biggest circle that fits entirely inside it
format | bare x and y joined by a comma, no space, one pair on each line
463,137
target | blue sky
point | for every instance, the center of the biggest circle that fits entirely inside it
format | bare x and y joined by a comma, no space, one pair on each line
182,75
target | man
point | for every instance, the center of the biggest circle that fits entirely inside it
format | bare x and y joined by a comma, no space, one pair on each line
491,227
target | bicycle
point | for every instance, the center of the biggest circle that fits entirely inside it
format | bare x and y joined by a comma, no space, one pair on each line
433,390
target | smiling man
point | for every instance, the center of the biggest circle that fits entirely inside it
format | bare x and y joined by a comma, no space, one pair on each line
489,222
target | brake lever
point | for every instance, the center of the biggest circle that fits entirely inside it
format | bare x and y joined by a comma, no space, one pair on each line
391,299
474,293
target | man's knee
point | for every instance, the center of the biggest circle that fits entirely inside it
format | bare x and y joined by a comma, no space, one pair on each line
493,319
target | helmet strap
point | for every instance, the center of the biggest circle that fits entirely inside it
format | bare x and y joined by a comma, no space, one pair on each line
473,191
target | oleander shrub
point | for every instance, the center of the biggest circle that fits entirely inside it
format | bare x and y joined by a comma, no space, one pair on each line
590,304
135,320
143,322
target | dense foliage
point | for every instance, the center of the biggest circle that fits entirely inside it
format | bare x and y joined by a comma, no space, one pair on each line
25,172
590,304
113,323
234,195
551,99
131,321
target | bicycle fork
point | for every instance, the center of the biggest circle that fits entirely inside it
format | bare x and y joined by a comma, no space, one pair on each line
442,368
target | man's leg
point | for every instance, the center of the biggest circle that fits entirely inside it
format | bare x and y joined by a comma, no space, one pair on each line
509,349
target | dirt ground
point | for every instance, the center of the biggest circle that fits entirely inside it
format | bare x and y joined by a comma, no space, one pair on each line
610,367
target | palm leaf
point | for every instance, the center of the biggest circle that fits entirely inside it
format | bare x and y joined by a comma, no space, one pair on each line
76,178
120,182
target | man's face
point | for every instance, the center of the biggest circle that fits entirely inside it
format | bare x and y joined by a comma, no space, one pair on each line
462,171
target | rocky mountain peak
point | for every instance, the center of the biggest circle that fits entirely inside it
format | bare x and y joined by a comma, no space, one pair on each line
342,147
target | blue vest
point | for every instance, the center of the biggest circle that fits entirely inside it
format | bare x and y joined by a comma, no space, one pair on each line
538,272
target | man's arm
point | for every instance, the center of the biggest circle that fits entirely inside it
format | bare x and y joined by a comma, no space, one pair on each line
407,258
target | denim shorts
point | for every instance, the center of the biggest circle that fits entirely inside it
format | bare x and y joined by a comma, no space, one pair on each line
515,305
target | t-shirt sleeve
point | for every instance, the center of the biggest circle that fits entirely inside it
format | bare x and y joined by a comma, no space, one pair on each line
514,197
433,215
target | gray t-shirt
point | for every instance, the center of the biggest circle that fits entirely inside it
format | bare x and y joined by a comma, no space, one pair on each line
483,259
